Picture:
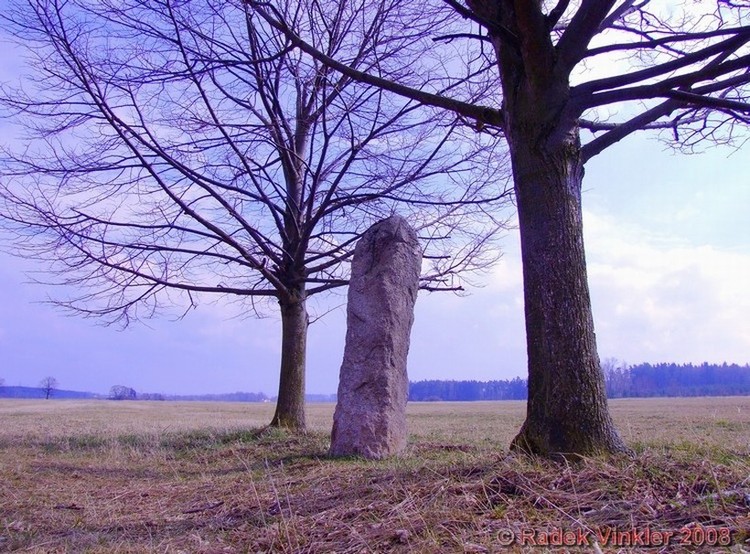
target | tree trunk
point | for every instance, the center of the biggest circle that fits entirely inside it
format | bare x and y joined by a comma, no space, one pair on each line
290,407
567,405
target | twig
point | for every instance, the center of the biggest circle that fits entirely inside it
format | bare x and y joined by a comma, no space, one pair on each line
720,496
204,508
72,506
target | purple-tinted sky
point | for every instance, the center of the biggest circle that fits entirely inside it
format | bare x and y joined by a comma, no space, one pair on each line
668,245
668,242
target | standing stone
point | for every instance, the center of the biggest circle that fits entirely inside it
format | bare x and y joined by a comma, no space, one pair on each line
370,416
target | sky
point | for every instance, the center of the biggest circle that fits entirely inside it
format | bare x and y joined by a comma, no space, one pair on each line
668,247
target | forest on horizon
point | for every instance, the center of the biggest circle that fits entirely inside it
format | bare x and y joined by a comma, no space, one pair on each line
642,380
622,381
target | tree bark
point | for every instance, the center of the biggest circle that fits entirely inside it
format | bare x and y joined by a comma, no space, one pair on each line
290,406
567,406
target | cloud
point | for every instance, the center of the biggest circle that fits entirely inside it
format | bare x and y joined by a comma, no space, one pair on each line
657,298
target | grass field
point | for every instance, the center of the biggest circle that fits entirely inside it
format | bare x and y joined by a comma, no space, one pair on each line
89,476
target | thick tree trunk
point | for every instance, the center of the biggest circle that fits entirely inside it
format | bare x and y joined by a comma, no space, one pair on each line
290,407
567,405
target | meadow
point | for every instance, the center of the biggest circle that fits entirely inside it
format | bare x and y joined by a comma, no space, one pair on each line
101,476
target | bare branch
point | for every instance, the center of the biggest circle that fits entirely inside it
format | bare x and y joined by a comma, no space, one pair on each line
731,44
586,23
486,115
553,17
492,26
619,131
454,36
653,43
194,148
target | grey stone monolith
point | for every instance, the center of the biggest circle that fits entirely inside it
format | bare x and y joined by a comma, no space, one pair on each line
370,416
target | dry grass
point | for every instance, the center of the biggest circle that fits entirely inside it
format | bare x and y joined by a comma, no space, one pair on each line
163,477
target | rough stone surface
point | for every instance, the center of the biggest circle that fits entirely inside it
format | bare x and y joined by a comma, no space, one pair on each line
370,416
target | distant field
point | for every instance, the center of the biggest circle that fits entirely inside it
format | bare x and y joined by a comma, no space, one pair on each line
102,476
722,422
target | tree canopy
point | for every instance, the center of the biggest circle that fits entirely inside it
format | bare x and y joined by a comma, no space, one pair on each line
575,77
175,150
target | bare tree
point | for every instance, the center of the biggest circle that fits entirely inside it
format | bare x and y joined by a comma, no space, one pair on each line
616,378
48,386
184,149
121,392
575,78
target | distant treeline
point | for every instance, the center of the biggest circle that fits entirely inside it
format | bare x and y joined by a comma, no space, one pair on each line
228,397
36,392
235,397
426,391
641,380
677,380
123,393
